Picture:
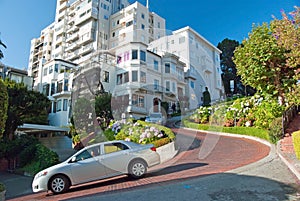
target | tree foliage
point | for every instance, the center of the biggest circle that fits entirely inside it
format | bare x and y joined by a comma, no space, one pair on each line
267,60
24,106
103,109
227,47
3,106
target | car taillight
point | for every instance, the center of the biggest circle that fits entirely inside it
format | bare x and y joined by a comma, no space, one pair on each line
153,148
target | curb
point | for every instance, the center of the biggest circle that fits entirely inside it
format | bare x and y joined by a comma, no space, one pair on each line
291,166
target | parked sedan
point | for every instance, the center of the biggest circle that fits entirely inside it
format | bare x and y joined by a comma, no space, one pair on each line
156,118
95,162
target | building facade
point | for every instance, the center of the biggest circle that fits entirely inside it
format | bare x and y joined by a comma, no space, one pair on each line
15,74
120,49
202,61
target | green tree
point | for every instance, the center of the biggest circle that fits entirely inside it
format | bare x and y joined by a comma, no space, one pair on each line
103,109
287,34
228,68
3,106
262,63
83,115
24,106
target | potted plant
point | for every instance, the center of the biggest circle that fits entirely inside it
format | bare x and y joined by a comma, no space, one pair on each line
2,191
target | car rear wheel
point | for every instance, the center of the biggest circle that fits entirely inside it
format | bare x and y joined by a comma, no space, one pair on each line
137,169
59,184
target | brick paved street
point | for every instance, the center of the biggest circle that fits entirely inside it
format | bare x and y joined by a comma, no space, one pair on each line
200,155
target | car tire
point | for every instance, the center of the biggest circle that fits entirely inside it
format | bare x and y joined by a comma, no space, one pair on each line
137,169
59,184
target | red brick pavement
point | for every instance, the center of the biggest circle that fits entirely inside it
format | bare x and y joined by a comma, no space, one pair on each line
286,147
228,153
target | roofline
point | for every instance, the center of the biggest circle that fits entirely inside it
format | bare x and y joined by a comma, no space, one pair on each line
188,28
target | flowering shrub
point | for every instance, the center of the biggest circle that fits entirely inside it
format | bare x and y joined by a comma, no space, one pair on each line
140,131
201,115
255,111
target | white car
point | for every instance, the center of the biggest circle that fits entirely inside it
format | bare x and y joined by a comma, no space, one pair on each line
95,162
156,118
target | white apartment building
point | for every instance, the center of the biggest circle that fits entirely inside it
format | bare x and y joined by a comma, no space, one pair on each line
122,47
202,61
56,77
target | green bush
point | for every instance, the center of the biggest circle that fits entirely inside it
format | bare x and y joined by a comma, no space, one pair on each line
296,143
275,130
2,187
141,132
251,131
266,112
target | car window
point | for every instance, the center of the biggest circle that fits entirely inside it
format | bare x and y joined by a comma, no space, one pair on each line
89,153
114,147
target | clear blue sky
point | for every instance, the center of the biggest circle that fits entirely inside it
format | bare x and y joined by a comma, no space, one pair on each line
22,20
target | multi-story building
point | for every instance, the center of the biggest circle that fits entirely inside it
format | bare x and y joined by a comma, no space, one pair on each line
55,81
107,43
202,61
15,74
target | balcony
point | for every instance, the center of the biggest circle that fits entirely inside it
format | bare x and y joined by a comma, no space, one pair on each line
72,38
89,14
86,49
72,47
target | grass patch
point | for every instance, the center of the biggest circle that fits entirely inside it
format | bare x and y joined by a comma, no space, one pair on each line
251,131
296,143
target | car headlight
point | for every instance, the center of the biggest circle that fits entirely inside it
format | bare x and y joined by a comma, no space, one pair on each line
40,174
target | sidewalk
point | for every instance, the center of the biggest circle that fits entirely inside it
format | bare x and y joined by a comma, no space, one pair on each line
285,148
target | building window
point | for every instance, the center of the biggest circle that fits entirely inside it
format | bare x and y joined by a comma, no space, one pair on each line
134,75
56,68
126,77
65,105
119,79
192,84
46,89
155,65
129,23
167,85
138,100
106,76
45,71
126,56
119,59
52,88
158,24
143,77
143,55
167,68
134,54
173,87
59,87
143,15
58,106
156,84
181,39
143,26
50,69
66,85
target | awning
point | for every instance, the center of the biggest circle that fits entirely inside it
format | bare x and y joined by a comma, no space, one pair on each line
41,128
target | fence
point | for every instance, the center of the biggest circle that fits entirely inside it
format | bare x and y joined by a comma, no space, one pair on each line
288,116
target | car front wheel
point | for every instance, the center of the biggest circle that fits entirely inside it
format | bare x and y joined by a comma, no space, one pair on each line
59,184
137,169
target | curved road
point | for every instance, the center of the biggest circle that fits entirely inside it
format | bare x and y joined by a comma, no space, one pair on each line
200,154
